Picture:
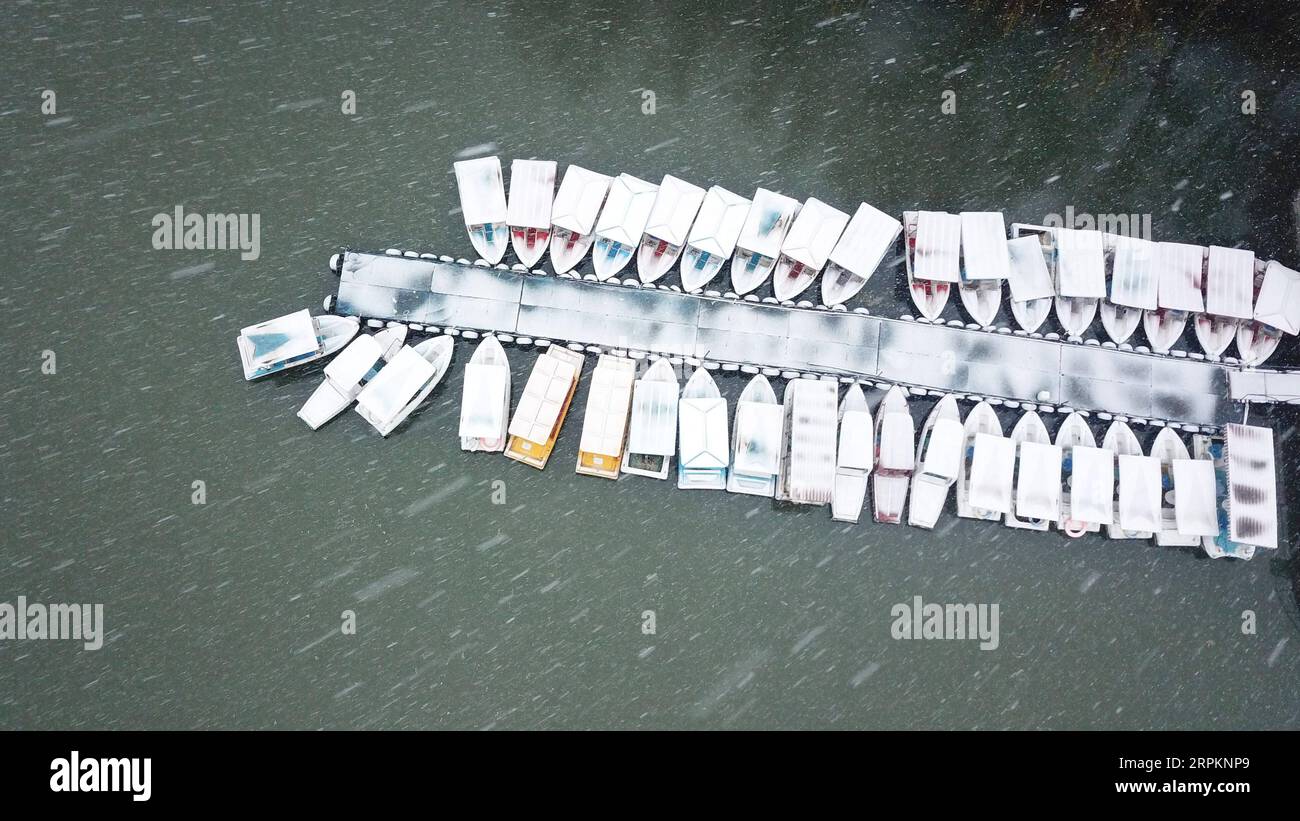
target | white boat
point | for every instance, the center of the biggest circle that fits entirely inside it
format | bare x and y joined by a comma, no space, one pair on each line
938,459
1179,267
992,476
1095,486
483,205
981,420
1277,311
485,402
1169,449
528,212
895,456
1033,254
1139,493
292,340
855,456
807,468
403,383
756,440
1121,441
573,216
704,449
759,244
1251,496
807,247
669,225
1080,278
1131,282
985,263
622,222
862,246
652,432
545,402
1035,483
604,425
1220,545
932,250
713,237
1229,292
348,372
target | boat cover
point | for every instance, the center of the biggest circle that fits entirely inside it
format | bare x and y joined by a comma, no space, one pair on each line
1028,275
992,472
627,210
1092,485
543,398
717,227
1038,491
1139,493
813,419
984,246
1278,302
674,210
482,194
653,428
1179,266
604,423
1134,279
814,233
767,222
1230,282
937,254
866,240
1194,497
532,192
1080,263
578,201
1252,485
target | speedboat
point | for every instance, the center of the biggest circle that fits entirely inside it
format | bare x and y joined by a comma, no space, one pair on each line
981,420
1121,441
1038,485
1033,256
485,402
985,262
622,222
1229,292
292,340
1277,311
932,245
528,213
652,432
806,248
756,440
541,410
573,216
713,237
483,205
403,383
862,246
1180,268
665,235
1074,436
1080,278
1132,285
759,243
855,456
348,372
703,447
604,426
807,467
938,457
895,456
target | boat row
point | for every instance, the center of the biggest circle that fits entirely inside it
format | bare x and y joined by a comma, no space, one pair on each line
1226,294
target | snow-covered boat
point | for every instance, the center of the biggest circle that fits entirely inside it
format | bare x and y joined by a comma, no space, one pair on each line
932,247
1170,450
855,456
1086,483
622,222
528,212
1277,312
1251,497
485,402
483,205
669,225
573,216
862,246
1139,494
895,456
759,244
402,384
1037,473
1229,289
938,459
807,468
981,419
1180,269
1032,288
1121,441
757,436
604,424
703,446
713,237
806,248
541,410
1220,545
292,340
1080,278
652,431
992,476
985,262
348,372
1132,285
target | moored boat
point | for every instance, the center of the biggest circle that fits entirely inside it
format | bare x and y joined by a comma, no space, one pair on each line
485,400
652,431
1170,449
1037,484
1277,312
348,372
528,211
932,247
855,456
573,216
1033,255
806,474
703,450
757,436
981,419
862,246
759,244
985,263
622,223
1220,545
401,385
1132,285
669,225
292,340
483,205
938,459
713,237
604,424
806,248
1180,269
1229,288
545,402
1121,441
1095,486
1080,278
895,456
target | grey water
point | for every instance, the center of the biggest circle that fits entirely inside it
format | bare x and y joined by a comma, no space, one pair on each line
490,595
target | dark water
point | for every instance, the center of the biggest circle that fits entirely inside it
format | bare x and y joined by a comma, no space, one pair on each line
528,614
